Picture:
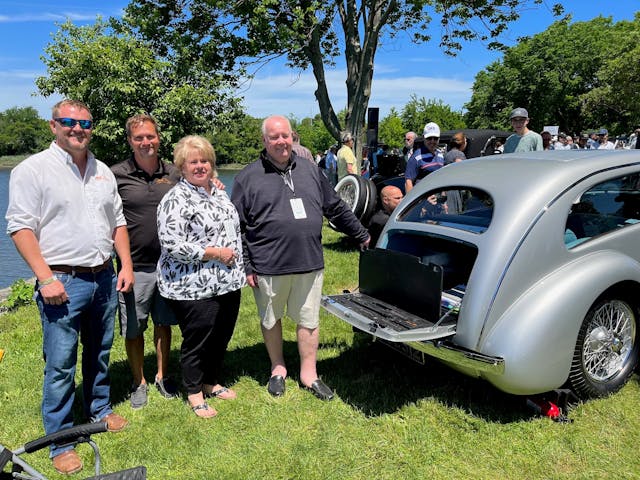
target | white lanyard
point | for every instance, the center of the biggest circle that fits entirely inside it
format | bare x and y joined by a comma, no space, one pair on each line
288,179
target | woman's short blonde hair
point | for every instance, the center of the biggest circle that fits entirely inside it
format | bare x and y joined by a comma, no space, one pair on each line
191,143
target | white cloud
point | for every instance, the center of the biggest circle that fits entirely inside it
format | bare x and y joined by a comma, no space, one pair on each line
18,75
289,93
19,90
50,17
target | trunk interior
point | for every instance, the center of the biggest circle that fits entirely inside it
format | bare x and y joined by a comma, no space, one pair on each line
414,285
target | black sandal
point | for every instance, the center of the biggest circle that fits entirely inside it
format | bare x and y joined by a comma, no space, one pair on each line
202,406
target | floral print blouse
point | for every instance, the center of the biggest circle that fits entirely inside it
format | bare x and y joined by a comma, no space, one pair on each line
189,220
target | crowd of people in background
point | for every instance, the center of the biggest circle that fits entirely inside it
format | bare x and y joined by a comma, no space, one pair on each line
339,161
423,155
590,141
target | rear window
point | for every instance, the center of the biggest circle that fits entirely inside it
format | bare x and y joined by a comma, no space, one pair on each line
463,208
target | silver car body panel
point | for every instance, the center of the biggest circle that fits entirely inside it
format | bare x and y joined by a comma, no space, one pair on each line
528,293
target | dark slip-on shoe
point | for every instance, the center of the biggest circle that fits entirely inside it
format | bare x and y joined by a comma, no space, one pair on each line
276,386
320,390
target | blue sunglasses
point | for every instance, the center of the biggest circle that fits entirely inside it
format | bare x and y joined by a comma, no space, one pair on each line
71,122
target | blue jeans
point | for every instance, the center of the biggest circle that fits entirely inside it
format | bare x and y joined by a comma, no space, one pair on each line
89,315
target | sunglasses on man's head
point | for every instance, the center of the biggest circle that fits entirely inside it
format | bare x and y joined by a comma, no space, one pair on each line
71,122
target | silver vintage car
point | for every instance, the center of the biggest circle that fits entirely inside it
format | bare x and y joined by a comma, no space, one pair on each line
521,269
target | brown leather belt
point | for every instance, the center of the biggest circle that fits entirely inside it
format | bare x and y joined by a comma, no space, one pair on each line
74,270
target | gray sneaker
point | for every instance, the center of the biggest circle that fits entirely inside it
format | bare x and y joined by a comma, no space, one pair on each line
166,387
138,397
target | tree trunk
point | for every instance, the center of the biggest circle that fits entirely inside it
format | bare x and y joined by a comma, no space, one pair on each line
372,15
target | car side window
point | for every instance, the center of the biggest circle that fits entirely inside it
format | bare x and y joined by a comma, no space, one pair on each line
608,206
463,208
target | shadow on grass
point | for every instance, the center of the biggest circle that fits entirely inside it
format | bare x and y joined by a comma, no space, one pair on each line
342,244
121,378
377,380
251,361
368,376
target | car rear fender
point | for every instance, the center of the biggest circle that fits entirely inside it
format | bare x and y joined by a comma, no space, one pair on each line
536,336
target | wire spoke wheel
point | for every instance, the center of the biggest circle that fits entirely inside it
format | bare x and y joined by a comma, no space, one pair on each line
609,341
606,350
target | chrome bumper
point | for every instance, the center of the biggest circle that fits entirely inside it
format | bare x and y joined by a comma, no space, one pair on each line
459,356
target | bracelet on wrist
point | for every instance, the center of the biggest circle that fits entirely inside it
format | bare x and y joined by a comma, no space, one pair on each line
47,281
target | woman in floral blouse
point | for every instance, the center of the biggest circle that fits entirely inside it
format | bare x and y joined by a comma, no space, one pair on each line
200,270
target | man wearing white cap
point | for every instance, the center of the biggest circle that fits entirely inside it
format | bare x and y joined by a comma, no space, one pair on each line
425,160
523,140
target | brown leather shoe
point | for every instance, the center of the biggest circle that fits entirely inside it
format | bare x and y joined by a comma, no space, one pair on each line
115,423
67,462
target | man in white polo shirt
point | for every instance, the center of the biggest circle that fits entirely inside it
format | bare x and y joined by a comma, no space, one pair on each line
65,218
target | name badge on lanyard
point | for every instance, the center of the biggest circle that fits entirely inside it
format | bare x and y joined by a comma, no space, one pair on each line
297,207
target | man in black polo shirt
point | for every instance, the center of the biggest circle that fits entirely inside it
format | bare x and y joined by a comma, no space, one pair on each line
142,182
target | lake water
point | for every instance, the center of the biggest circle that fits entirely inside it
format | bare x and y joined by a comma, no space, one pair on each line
12,266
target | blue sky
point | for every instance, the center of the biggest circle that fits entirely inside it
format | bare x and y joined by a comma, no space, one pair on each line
401,68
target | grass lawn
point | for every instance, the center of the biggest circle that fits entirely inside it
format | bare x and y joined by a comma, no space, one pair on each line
392,419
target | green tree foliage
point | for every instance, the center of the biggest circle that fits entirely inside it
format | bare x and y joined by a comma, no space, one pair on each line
240,142
21,294
22,131
312,34
118,75
616,97
419,111
313,134
391,130
575,75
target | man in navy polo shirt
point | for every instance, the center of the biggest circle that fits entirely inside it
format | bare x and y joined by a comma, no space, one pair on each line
281,200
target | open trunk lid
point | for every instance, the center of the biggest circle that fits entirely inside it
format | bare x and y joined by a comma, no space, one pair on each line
400,299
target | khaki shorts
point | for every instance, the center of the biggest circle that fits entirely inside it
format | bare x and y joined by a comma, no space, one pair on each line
143,300
300,293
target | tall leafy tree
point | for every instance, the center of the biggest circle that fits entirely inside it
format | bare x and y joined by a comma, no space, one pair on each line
118,75
313,134
419,111
391,130
239,142
567,75
616,98
22,131
312,34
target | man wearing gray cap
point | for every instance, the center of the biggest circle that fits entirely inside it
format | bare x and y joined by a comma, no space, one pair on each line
603,140
523,140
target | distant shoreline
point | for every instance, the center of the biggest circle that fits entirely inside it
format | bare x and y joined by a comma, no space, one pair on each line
10,161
